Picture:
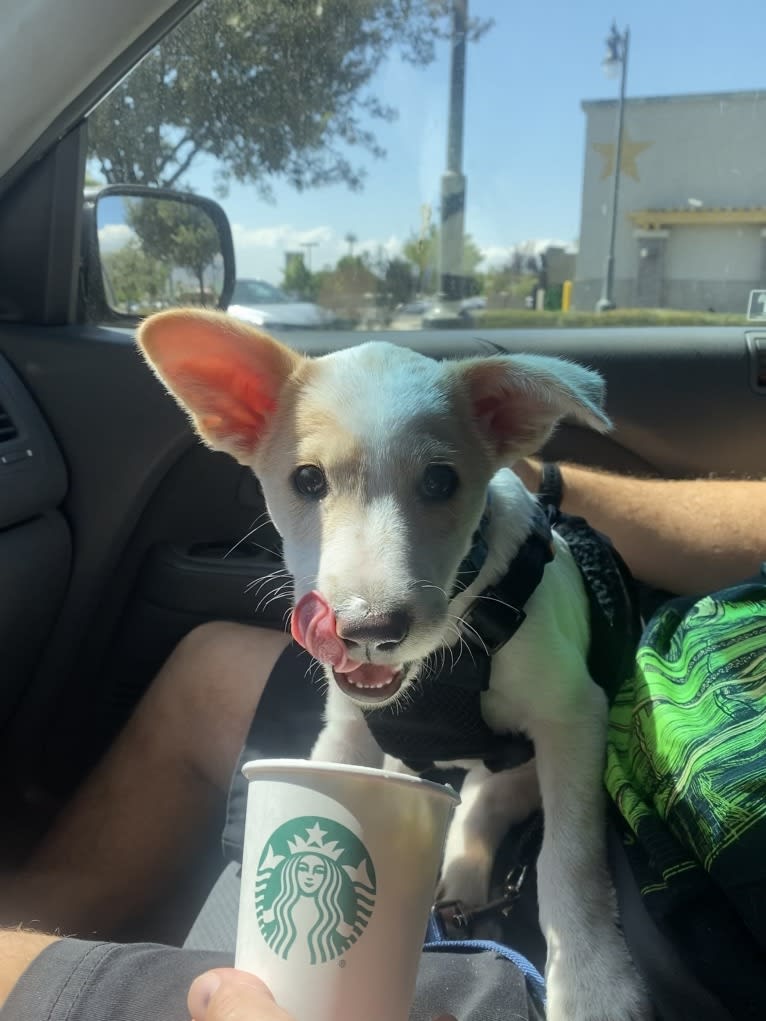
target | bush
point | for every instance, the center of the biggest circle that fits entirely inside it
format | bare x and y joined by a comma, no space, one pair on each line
510,318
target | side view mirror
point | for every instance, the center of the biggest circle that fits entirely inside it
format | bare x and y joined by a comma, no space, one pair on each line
146,249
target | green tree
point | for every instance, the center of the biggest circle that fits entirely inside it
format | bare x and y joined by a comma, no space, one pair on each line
177,233
297,278
422,250
133,278
269,88
350,287
398,282
194,248
512,283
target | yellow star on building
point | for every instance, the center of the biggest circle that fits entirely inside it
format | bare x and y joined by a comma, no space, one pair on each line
630,151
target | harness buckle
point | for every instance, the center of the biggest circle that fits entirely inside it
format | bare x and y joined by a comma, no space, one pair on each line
514,881
453,918
457,919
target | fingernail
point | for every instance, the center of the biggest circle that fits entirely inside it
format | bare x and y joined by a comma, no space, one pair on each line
202,991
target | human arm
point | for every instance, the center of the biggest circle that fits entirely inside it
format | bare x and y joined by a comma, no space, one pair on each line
684,536
18,949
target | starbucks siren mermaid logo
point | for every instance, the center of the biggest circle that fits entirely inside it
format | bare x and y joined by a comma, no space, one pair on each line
314,889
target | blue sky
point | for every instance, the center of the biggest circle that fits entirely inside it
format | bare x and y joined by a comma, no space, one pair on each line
524,131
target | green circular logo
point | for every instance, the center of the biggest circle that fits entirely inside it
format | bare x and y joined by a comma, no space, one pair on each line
314,889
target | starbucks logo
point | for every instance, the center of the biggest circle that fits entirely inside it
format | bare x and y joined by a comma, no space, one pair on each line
314,889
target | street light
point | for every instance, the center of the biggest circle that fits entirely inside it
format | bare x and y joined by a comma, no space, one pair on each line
308,245
615,61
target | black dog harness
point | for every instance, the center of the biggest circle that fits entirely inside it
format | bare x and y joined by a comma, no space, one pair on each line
440,720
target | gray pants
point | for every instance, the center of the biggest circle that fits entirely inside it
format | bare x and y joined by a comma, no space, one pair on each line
73,980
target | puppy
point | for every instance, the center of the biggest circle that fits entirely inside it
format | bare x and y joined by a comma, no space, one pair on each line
379,468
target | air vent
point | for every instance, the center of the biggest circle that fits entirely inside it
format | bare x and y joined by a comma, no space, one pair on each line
8,430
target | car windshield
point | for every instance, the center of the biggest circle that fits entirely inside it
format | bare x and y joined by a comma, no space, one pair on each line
462,162
257,292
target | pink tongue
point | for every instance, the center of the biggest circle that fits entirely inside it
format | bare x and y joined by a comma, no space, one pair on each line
313,627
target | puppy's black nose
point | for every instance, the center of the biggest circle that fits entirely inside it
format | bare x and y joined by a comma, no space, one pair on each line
382,631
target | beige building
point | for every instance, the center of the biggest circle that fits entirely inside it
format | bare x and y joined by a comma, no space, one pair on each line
691,222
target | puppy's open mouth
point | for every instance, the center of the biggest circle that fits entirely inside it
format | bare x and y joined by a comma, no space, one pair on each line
370,682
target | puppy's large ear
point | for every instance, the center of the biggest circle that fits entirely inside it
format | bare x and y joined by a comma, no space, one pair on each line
518,400
227,375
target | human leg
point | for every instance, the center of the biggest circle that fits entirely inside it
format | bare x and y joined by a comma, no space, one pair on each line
74,980
45,978
144,812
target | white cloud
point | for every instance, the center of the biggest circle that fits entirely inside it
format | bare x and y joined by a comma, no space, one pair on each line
495,255
391,248
113,236
283,236
260,251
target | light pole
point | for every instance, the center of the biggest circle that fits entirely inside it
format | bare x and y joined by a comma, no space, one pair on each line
308,245
616,56
453,181
451,276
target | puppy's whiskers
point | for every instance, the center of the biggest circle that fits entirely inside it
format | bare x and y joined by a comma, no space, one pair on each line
284,591
258,583
460,624
260,522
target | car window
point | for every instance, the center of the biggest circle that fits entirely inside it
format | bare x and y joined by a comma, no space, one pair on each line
445,163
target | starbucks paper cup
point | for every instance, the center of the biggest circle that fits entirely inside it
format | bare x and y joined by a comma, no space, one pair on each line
338,876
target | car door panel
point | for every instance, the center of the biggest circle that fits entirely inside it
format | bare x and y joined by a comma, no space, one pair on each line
118,434
34,567
35,543
185,564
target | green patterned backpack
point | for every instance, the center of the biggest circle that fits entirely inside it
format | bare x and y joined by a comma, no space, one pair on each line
686,772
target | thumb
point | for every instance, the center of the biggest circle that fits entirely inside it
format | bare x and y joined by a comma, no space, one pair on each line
226,994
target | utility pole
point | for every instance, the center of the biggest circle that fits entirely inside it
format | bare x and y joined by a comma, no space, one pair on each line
616,54
453,182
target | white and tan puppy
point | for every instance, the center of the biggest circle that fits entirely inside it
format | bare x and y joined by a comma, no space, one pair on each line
375,464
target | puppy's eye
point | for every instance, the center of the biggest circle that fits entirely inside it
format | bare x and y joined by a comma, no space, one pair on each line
309,480
439,482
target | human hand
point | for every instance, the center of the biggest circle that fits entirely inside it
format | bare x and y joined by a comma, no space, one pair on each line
226,994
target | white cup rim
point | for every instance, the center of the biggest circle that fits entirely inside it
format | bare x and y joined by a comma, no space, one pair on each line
258,769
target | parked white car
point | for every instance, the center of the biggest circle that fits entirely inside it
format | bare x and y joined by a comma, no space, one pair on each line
262,304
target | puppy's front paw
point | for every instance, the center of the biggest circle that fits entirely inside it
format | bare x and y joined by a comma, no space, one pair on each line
466,878
597,987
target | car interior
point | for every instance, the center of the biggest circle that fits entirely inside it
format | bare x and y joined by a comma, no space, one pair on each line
119,531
